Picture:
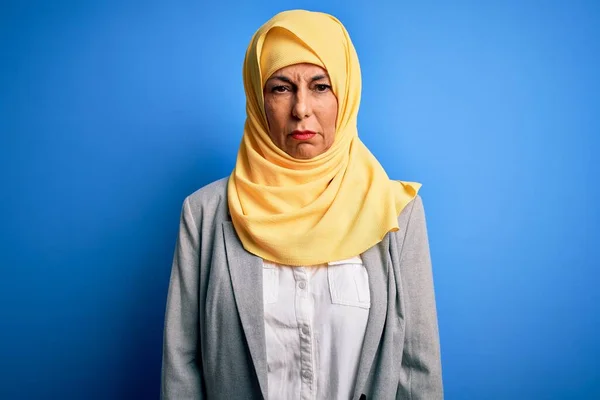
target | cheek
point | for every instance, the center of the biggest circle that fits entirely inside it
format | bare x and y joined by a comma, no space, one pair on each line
269,112
330,120
333,117
273,112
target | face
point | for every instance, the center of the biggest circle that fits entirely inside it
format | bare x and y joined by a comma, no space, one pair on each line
301,110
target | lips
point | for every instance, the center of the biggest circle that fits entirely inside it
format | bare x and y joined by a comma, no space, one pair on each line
303,135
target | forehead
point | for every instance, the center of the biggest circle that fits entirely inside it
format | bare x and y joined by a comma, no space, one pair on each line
302,71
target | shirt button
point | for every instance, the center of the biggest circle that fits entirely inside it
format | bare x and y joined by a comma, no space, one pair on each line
305,330
302,285
306,374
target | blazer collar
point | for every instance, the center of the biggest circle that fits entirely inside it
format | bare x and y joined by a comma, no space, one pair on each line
245,270
376,260
246,278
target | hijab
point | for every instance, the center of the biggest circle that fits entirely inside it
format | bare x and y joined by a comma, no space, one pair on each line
330,207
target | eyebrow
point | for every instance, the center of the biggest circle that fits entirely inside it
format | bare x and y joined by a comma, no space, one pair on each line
288,80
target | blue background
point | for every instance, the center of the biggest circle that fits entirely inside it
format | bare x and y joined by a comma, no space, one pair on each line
112,112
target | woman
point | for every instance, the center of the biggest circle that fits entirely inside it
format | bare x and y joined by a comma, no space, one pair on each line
305,274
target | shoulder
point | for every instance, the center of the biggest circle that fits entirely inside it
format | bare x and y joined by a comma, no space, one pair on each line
209,200
210,192
413,210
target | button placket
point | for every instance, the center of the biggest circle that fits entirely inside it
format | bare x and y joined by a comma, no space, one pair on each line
304,311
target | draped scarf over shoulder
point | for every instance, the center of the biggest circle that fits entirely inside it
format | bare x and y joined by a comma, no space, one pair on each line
333,206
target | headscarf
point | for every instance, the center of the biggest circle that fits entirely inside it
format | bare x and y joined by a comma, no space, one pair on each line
327,208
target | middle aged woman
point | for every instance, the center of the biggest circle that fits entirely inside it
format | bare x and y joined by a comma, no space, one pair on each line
306,274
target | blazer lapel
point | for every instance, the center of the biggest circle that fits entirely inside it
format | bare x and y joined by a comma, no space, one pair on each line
246,278
376,262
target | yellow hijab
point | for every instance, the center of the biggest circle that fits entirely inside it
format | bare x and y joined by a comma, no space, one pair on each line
333,206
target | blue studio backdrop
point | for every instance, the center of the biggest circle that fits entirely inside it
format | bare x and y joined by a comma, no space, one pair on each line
112,112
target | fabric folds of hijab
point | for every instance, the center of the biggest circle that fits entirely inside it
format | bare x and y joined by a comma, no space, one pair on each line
333,206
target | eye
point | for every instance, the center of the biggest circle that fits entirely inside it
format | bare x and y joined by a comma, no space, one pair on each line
321,87
279,89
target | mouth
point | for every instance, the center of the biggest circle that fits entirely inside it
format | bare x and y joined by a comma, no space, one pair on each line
303,135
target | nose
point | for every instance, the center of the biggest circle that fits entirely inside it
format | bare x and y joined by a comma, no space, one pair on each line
302,107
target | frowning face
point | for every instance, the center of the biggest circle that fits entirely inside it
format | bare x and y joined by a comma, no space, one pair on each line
301,110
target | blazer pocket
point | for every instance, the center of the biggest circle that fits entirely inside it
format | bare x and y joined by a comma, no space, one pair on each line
270,284
349,283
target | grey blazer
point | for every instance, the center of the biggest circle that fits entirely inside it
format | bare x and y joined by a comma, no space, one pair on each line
214,337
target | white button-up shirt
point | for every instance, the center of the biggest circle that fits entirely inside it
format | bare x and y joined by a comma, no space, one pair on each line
315,322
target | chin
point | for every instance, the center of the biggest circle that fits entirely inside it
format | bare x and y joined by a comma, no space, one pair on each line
302,156
305,155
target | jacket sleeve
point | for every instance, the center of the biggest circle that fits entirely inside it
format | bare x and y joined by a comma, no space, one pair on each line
421,376
181,376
